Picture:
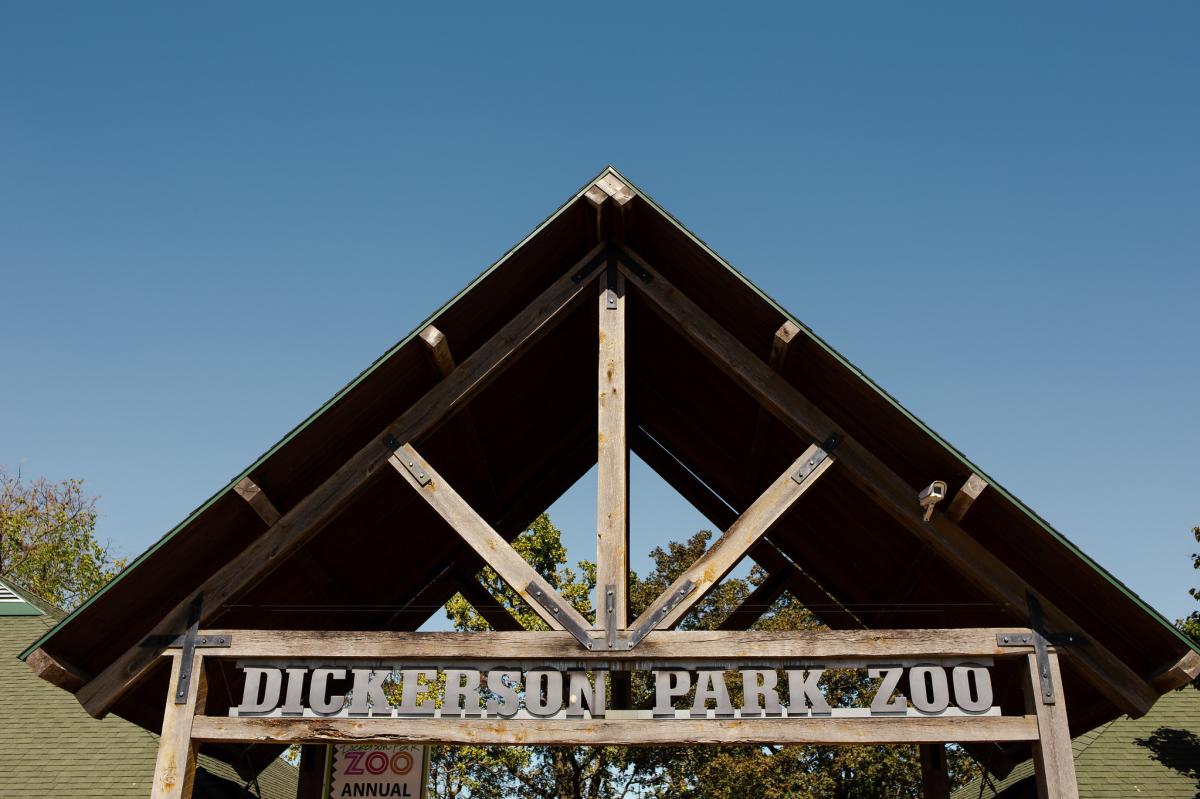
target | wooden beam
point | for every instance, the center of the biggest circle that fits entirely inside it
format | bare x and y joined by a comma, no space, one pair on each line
439,349
487,543
764,595
494,613
902,589
175,767
762,425
320,506
1116,680
935,778
1053,759
59,674
605,732
689,485
965,497
659,645
467,434
612,483
1177,674
311,774
611,186
703,575
800,584
249,491
677,475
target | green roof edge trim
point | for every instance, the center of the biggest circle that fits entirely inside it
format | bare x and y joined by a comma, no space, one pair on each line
738,274
314,415
1126,590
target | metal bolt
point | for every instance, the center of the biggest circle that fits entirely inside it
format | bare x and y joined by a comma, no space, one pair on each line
204,640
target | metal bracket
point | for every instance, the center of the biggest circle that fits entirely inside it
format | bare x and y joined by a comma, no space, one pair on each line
177,641
636,636
590,267
189,650
610,276
633,266
1039,638
810,466
610,615
550,601
409,462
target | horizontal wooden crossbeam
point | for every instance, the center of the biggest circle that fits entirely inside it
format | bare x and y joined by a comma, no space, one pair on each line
660,645
1117,681
604,732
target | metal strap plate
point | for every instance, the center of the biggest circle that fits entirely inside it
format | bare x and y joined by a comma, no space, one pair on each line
810,465
189,651
589,267
610,615
636,636
551,602
408,462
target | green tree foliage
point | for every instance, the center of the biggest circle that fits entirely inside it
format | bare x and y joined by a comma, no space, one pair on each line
48,540
1191,624
861,772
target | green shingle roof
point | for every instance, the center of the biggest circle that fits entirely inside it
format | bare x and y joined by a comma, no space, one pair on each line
49,746
1157,755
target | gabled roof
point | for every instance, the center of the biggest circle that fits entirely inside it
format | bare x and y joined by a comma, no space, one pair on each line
529,434
1156,755
53,748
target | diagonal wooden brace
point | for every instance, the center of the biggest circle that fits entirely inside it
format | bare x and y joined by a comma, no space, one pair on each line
703,575
534,589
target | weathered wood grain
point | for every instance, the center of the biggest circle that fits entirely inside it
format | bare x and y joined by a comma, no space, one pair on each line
487,543
600,732
248,490
175,767
1177,674
965,497
659,645
62,675
612,465
1053,759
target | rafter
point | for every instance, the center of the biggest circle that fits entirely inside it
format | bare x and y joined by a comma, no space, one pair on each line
1117,681
534,589
463,423
248,490
321,505
762,425
702,576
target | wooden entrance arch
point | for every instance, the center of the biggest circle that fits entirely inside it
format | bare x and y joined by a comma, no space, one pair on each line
655,345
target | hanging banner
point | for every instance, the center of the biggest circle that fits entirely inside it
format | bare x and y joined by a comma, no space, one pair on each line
378,770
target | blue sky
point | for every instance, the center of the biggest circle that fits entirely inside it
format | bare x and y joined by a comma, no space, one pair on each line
212,217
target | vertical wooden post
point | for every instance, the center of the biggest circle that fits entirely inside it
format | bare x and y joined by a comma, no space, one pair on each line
311,779
935,780
612,500
612,483
175,769
1053,760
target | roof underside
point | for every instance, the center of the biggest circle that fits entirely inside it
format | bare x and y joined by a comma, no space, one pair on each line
536,425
